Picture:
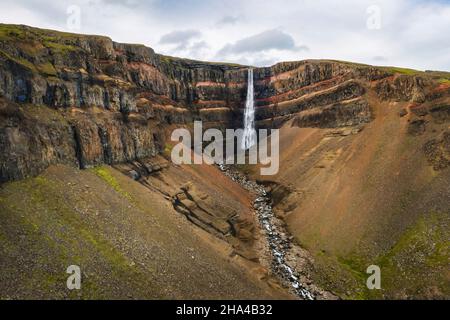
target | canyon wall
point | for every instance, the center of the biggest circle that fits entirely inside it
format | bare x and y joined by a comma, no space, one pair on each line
86,100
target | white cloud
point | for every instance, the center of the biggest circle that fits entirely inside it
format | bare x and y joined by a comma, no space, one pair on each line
260,47
412,34
228,20
264,41
180,38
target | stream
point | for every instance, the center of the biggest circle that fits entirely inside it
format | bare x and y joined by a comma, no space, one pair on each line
278,240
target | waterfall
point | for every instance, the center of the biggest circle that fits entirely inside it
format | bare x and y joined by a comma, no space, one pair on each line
248,139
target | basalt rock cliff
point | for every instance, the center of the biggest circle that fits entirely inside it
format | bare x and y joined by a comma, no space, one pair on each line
106,102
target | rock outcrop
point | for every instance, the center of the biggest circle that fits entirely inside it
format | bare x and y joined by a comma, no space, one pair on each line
203,211
85,100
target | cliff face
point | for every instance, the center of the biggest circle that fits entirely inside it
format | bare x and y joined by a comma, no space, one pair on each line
99,101
106,102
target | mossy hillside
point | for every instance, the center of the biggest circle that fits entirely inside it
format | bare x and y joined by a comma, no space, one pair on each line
19,61
419,256
169,59
392,70
442,77
345,273
439,76
58,48
37,47
44,68
340,276
54,236
421,253
405,71
12,32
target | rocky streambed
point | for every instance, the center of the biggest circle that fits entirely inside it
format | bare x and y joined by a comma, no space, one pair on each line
278,241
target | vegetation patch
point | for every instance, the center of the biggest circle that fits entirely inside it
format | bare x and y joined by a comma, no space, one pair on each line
60,48
106,175
20,61
11,32
167,150
47,69
419,255
406,71
55,234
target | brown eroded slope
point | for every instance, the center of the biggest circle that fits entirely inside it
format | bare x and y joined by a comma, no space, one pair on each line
378,194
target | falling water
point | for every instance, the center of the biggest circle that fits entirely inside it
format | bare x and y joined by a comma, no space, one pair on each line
249,115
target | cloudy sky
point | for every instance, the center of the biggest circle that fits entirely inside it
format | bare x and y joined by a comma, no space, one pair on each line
407,33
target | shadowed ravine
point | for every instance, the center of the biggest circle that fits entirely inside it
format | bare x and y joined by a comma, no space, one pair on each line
278,240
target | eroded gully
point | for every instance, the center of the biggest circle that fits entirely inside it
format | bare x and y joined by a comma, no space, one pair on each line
278,241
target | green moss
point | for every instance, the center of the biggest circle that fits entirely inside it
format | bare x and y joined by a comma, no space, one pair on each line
444,81
43,114
105,174
41,180
177,60
47,69
44,68
406,71
20,61
11,32
412,235
22,32
167,150
165,59
422,248
349,63
60,48
113,256
343,275
32,40
356,266
416,262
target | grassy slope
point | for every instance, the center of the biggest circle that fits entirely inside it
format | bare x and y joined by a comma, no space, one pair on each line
128,242
36,42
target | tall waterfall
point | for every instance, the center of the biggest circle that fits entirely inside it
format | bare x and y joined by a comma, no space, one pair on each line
249,115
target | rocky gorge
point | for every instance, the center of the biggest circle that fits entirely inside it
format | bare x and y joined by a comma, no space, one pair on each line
352,136
278,245
113,101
